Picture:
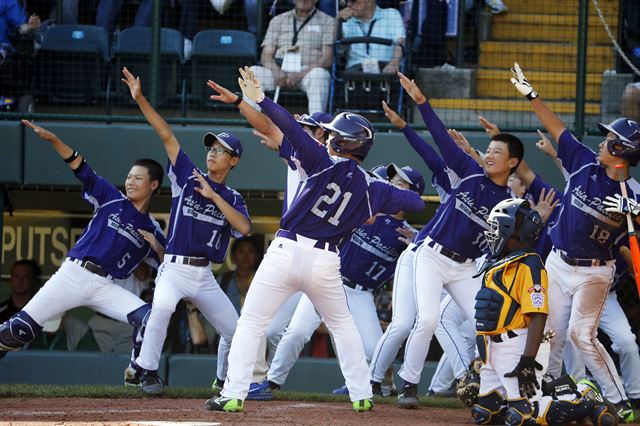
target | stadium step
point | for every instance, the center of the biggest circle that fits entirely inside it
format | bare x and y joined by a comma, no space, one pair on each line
542,56
553,85
559,7
555,28
480,105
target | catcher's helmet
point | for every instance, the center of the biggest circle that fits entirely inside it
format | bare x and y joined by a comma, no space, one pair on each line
354,134
627,142
503,218
379,171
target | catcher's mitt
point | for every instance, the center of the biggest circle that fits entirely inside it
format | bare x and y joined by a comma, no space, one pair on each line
468,386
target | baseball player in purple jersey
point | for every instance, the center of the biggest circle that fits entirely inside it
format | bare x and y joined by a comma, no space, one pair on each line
403,298
273,138
336,197
205,213
367,261
120,235
588,228
446,258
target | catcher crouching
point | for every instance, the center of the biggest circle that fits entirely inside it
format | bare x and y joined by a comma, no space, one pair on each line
511,312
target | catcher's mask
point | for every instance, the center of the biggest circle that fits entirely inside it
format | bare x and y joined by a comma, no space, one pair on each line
508,215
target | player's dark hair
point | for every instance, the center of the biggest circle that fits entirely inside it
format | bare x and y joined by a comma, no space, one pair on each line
514,144
252,240
32,264
156,172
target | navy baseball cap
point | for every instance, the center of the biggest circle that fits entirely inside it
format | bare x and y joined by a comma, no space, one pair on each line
315,119
227,140
411,176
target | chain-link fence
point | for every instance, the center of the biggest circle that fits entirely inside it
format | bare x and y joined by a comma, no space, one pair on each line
324,55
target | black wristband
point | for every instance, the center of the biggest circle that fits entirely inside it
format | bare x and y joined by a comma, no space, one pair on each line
531,96
71,157
237,101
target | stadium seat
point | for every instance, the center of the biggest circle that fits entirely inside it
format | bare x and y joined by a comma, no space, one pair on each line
72,64
359,91
216,55
133,50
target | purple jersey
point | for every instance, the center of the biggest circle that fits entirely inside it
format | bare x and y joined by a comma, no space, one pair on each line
461,224
442,178
544,244
369,257
197,227
336,195
111,239
584,230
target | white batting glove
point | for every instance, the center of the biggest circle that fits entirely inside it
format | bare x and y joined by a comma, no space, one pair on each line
250,85
521,84
620,204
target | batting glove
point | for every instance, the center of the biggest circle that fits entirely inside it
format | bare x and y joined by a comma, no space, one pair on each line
525,371
620,204
250,85
521,84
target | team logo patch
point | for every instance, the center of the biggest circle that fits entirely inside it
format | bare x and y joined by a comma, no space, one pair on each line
537,288
537,300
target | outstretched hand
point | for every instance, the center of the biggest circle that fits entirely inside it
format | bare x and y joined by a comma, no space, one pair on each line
267,141
393,116
135,86
460,140
525,372
489,128
546,203
520,82
406,234
250,85
224,95
40,131
545,145
204,189
412,89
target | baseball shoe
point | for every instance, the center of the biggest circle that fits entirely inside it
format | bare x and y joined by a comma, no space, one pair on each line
228,405
131,376
389,390
408,397
363,405
216,387
634,401
625,412
376,388
341,391
260,391
151,383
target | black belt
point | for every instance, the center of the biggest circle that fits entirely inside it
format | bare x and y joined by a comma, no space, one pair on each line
188,260
355,286
322,245
579,262
90,266
497,338
448,253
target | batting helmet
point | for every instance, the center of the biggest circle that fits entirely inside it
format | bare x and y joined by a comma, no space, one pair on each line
627,142
380,172
503,219
354,134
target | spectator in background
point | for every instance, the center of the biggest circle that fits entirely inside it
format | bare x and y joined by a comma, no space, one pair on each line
297,52
362,18
24,282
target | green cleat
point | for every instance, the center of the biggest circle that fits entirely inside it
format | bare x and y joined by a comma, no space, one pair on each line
363,405
225,404
625,412
216,387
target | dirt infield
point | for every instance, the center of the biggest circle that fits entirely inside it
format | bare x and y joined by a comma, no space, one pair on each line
85,411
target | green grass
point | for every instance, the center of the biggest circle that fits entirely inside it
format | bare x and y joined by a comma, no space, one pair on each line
104,391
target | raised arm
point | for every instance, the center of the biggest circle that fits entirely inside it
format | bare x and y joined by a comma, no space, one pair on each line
452,155
548,118
158,123
258,120
71,157
546,146
287,124
428,154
